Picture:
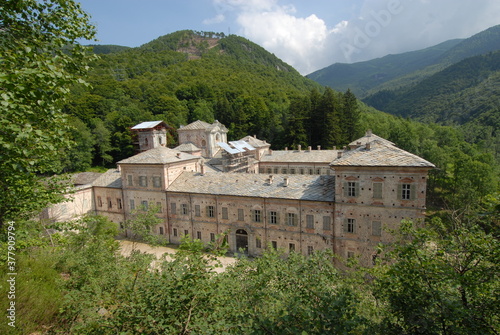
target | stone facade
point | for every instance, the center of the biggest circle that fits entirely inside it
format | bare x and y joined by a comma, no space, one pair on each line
346,200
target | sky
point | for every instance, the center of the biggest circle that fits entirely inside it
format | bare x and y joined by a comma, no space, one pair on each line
307,34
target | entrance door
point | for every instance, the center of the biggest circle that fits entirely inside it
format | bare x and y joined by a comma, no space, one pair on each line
241,240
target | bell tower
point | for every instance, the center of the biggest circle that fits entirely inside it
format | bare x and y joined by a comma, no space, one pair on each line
150,134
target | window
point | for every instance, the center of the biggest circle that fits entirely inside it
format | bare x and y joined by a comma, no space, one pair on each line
241,216
212,237
318,171
352,189
258,243
291,219
291,247
273,217
158,207
184,209
175,232
327,223
156,182
161,230
350,254
256,214
377,190
173,208
132,204
376,228
144,204
292,171
311,171
110,203
284,171
186,232
310,221
274,245
405,192
198,235
275,170
119,203
301,171
197,210
269,170
143,181
210,211
99,201
310,250
130,180
224,213
350,226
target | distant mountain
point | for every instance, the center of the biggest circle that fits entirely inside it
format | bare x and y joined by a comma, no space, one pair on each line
464,93
102,49
395,71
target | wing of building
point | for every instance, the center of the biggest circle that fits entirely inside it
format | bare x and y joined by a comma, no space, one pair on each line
298,200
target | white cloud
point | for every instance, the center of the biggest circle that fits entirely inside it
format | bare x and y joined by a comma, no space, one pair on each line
216,19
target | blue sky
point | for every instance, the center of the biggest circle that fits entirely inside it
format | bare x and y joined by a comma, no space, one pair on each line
307,34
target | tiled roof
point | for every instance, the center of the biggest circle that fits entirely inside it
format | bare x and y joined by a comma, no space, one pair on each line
300,187
187,147
304,156
159,155
380,154
84,178
369,137
111,178
146,125
196,125
202,125
255,142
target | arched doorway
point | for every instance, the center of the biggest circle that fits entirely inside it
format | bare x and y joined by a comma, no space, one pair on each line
241,240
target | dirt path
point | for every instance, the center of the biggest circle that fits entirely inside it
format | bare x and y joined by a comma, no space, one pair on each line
127,247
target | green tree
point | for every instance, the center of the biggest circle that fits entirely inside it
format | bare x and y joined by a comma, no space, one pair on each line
442,279
40,59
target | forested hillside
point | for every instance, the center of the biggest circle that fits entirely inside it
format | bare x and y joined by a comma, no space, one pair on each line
180,78
466,93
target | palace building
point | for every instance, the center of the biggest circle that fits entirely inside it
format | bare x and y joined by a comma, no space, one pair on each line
346,200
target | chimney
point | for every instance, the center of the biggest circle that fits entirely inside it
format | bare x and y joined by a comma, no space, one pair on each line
286,148
368,145
309,148
334,147
202,168
178,155
319,147
271,178
299,148
369,133
285,182
254,136
339,154
270,152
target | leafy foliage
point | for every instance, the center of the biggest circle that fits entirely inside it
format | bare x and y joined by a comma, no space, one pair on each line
41,59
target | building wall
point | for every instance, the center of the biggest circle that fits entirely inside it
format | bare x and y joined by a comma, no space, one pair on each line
358,216
109,202
78,203
295,168
201,215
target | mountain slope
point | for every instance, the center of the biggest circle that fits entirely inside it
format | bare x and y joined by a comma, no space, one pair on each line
466,92
182,77
361,77
393,71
